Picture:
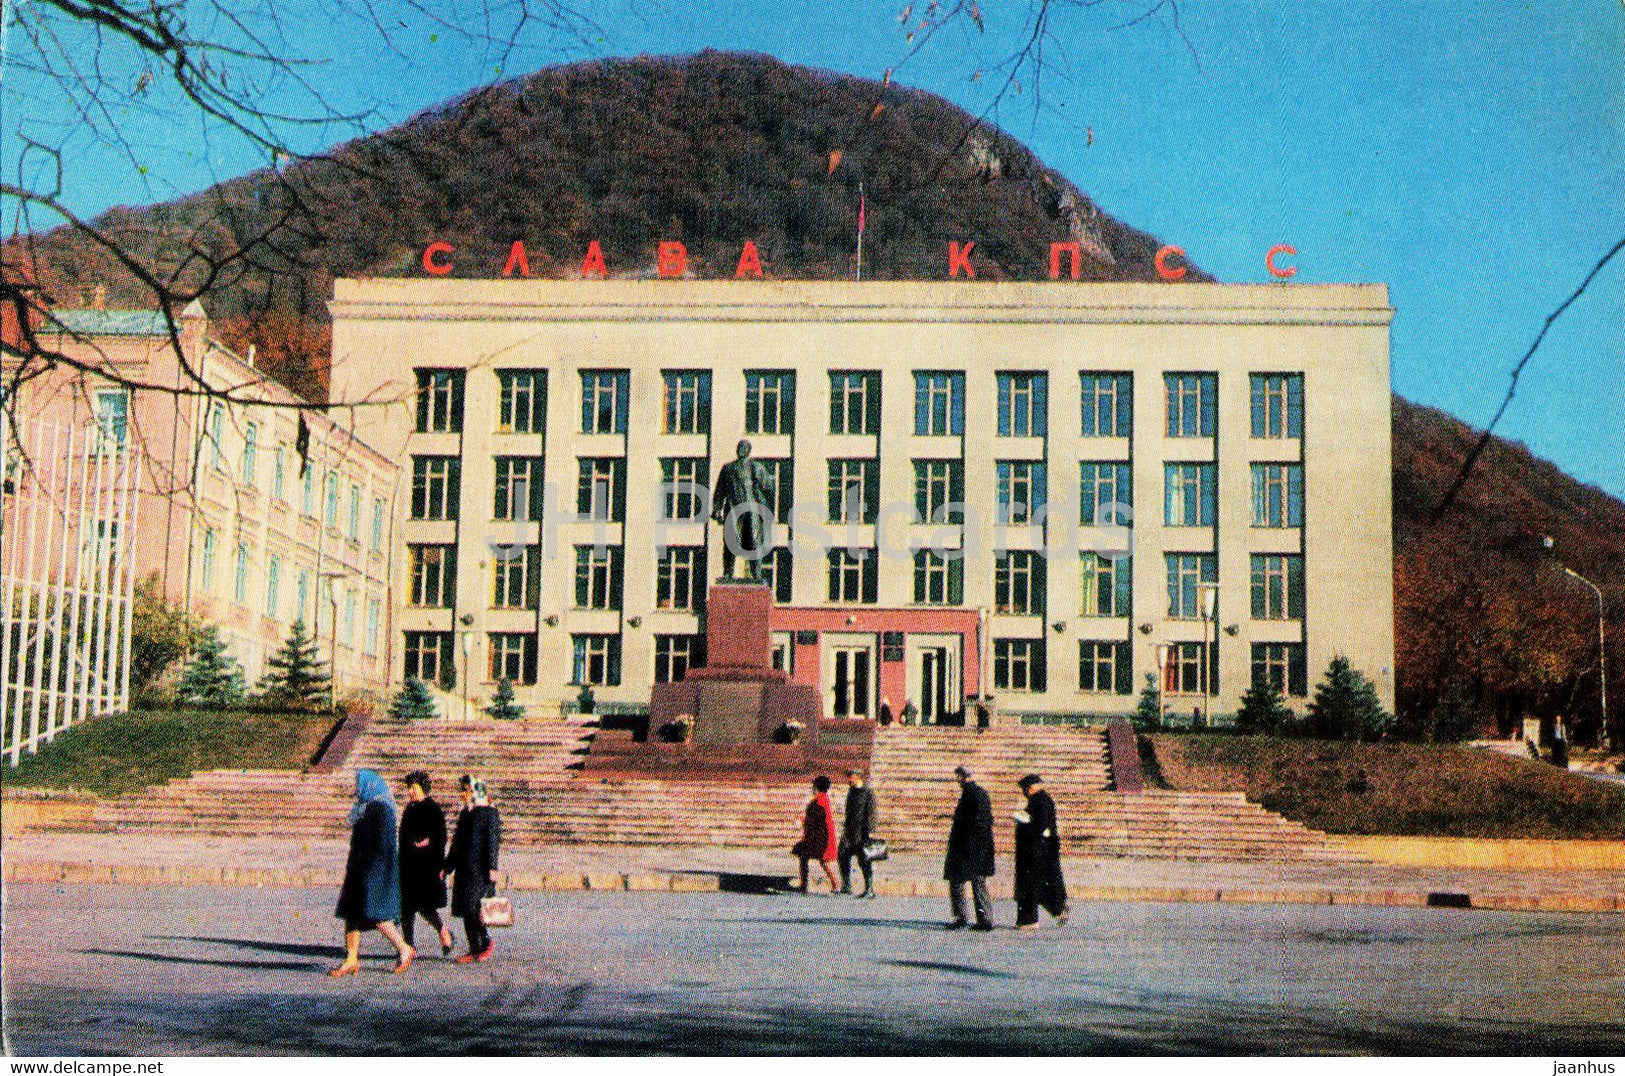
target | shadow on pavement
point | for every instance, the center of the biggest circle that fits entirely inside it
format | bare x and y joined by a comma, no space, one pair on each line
958,969
933,926
167,958
286,948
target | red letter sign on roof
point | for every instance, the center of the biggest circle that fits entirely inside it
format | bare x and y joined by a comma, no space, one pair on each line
749,263
673,258
430,265
959,258
593,263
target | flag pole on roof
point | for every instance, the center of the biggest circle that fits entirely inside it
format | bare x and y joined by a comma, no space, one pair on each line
862,206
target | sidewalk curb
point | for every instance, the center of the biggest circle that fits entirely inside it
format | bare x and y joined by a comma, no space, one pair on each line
71,873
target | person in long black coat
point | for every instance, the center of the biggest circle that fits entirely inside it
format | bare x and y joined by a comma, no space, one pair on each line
970,856
370,895
857,828
1038,857
423,860
472,862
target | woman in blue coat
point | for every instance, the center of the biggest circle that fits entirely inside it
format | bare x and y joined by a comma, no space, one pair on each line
371,894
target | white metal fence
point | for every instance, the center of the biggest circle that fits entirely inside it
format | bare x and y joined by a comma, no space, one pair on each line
66,577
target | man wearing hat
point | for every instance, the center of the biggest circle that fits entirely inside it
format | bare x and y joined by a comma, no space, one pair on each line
1038,857
970,853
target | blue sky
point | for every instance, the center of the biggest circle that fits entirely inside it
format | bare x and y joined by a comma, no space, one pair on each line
1471,155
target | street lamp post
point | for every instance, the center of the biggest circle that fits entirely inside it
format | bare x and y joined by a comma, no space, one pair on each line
1602,655
332,635
1208,594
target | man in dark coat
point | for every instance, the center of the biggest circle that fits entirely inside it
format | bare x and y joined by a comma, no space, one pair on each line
473,861
423,860
857,826
970,853
1038,857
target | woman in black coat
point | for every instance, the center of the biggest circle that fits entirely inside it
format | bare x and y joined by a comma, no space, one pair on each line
370,895
1038,857
473,863
423,860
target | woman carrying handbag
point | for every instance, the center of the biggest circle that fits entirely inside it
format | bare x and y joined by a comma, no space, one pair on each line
472,861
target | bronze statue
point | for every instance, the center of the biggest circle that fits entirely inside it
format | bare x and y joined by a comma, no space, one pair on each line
743,503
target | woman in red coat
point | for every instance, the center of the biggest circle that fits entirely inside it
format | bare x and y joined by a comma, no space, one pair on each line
818,835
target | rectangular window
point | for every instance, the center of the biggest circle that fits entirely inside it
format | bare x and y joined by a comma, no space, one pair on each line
374,614
436,486
1108,405
939,491
601,489
597,660
687,401
377,525
1106,494
1022,489
434,575
303,595
429,657
1023,404
1277,586
938,580
854,491
239,593
939,404
684,487
782,474
307,497
517,577
513,656
675,655
278,467
1192,403
519,489
1107,585
770,401
1277,405
1186,571
1190,494
440,401
599,574
217,434
774,571
853,576
1184,672
522,401
680,578
1104,667
349,619
332,498
1018,665
854,402
1283,665
604,396
273,584
1018,583
354,533
1277,494
206,571
112,415
251,437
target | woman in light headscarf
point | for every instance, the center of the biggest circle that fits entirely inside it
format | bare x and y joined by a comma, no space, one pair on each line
473,858
371,894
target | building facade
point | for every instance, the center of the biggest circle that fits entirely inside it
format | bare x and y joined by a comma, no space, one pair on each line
255,510
1040,493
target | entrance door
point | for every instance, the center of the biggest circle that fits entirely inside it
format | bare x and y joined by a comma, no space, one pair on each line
933,674
852,682
933,684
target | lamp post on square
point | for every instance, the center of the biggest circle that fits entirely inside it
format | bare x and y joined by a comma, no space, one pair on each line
1609,735
1208,597
1163,650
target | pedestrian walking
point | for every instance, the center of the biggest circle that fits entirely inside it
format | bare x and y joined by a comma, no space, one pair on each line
472,862
423,860
970,853
370,896
1038,857
885,715
818,834
911,713
857,828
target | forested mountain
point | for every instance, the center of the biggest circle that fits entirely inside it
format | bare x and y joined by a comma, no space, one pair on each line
718,148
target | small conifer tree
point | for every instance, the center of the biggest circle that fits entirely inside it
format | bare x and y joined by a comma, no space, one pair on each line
1345,706
502,704
1148,714
415,702
1262,709
294,676
213,680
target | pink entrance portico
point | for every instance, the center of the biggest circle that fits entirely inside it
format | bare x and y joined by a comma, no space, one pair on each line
858,657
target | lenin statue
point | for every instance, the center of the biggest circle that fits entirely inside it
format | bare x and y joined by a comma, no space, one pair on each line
743,503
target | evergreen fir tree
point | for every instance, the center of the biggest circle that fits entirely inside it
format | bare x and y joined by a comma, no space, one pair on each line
1148,714
1346,707
415,702
212,680
294,675
502,704
1262,709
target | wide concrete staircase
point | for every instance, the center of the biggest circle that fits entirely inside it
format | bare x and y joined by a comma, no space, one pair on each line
526,762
